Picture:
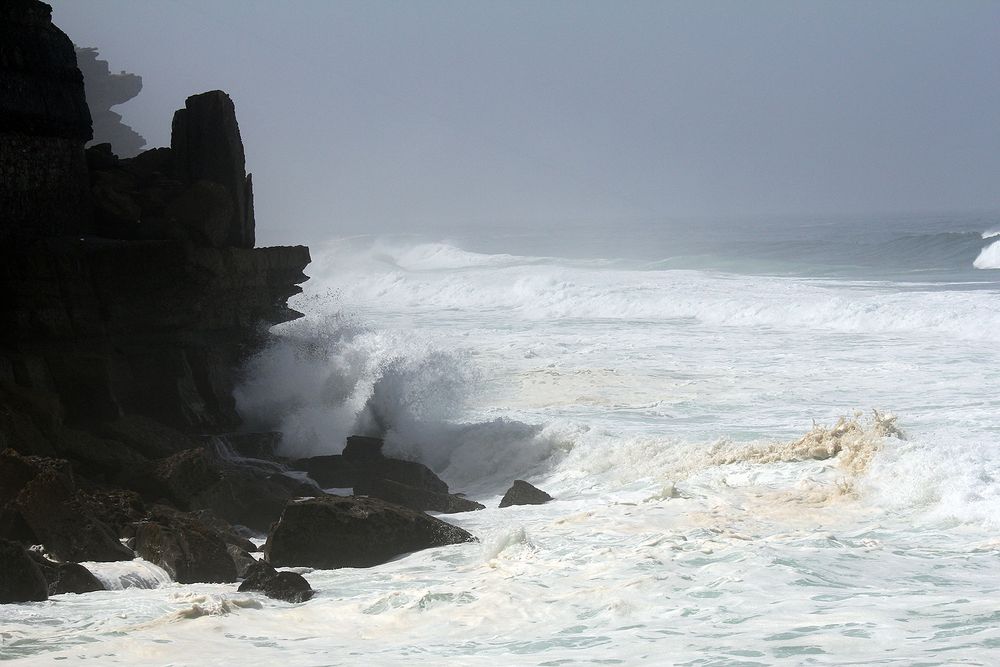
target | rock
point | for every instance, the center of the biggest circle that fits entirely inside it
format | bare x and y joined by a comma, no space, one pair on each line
105,90
414,498
202,211
362,462
332,532
43,492
186,548
66,577
287,586
224,530
177,478
120,510
205,140
241,559
522,493
332,471
22,580
363,448
149,438
44,122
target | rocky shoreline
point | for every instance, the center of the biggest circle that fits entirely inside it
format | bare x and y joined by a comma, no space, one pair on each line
132,293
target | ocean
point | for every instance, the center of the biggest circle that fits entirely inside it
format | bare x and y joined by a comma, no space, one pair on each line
770,441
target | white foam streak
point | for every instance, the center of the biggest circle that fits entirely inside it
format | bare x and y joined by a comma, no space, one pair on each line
136,573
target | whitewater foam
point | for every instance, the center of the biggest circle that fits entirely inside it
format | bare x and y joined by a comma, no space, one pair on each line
989,258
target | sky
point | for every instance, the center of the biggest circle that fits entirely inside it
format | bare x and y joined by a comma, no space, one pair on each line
371,116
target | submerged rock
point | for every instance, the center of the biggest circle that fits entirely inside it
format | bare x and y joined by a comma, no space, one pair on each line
332,532
287,586
414,498
21,579
522,493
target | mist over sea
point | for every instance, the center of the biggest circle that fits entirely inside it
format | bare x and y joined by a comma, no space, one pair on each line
771,441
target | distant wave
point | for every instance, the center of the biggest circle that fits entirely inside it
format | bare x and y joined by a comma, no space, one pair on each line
990,233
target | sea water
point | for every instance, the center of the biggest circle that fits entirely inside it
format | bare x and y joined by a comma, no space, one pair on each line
770,441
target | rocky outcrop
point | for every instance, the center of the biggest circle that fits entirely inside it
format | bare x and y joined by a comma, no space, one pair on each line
39,496
414,498
104,90
188,549
332,532
363,462
22,580
522,493
286,586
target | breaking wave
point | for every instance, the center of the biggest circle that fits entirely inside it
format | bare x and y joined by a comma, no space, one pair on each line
989,258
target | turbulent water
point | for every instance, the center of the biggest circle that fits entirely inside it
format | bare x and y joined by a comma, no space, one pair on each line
770,442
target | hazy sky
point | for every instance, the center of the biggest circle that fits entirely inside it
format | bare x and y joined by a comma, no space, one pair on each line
370,116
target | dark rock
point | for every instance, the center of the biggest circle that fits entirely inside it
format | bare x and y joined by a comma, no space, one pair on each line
332,471
241,559
146,436
22,580
332,532
287,586
414,498
189,550
228,534
44,122
178,478
522,493
260,445
66,577
120,510
43,492
362,447
205,140
342,471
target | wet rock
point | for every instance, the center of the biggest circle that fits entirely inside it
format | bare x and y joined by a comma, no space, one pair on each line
43,492
177,478
332,471
21,579
414,498
332,532
522,493
190,551
363,448
66,577
287,586
363,462
241,559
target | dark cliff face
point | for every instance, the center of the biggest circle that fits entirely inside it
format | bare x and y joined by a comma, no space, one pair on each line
130,288
44,122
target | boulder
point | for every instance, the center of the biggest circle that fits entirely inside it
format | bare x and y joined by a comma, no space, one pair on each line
332,531
43,492
414,498
363,448
177,478
66,577
362,462
241,559
189,550
22,580
522,493
287,586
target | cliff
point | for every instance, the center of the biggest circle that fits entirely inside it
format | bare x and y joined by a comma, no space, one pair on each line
130,288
